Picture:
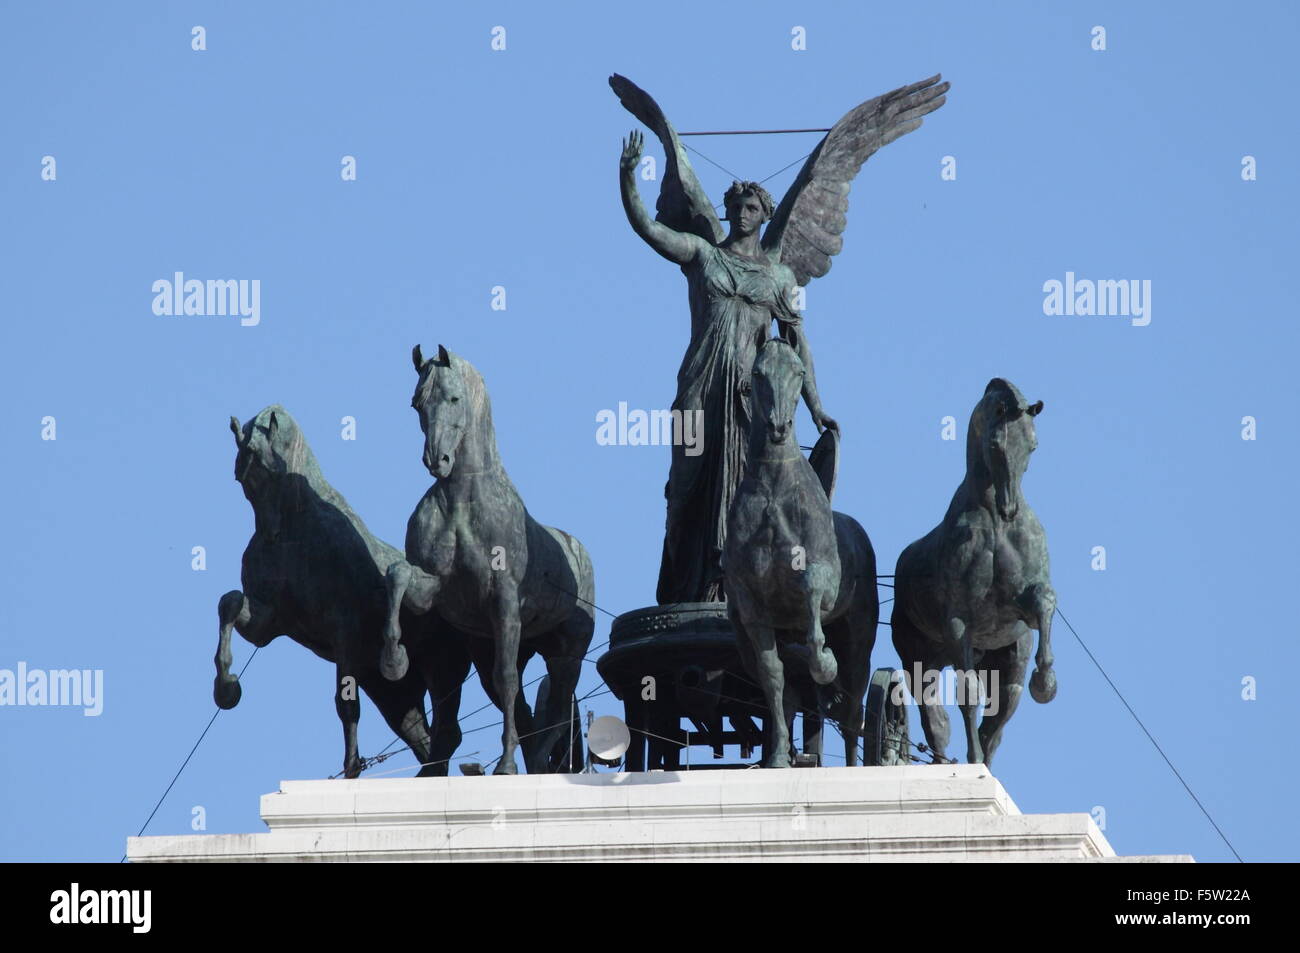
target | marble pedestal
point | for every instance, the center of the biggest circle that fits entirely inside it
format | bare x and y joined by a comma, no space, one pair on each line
913,813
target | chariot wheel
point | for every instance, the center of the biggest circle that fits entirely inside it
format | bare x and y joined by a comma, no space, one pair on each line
885,738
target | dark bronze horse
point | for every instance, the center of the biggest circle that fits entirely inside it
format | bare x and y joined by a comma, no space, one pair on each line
313,571
791,564
477,558
969,593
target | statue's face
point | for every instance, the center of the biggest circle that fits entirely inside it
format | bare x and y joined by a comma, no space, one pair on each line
1005,427
441,400
745,214
258,460
776,384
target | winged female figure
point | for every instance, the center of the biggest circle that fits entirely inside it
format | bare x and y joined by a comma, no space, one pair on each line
739,282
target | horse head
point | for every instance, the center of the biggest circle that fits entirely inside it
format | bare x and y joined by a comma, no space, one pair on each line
999,441
270,446
776,384
444,401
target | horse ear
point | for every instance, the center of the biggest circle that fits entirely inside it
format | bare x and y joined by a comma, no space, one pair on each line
417,358
236,430
1035,409
272,426
443,357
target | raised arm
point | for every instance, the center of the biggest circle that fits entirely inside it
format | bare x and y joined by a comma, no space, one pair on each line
677,247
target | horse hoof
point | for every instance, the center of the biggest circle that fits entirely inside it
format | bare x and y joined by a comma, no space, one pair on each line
393,663
506,767
226,693
352,770
777,763
824,668
1042,688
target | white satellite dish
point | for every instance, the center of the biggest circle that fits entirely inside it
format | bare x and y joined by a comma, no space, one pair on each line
608,738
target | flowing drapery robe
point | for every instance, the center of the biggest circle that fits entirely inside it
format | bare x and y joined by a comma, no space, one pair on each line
733,303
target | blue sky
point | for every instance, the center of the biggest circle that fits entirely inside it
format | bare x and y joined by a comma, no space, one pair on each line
478,168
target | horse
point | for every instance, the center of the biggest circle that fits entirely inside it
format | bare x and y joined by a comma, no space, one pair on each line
313,571
476,557
794,567
969,593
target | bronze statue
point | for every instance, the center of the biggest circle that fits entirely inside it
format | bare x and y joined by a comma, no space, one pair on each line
739,284
969,593
793,565
314,572
477,558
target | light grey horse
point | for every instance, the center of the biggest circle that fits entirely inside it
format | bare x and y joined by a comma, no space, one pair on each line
969,593
792,567
476,557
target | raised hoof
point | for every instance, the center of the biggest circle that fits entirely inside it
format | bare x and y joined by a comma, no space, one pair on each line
226,692
1042,688
393,663
823,667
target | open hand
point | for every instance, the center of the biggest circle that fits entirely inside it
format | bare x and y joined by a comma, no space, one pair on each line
631,151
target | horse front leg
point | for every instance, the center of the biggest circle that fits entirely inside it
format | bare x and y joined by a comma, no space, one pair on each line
962,641
505,674
1006,673
254,622
771,675
923,663
408,586
1042,684
445,668
348,706
821,660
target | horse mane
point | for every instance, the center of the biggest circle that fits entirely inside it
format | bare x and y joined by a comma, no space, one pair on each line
975,433
777,339
477,395
300,461
784,344
477,390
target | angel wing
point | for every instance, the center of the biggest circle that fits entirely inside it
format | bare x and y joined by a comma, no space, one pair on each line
683,205
806,227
